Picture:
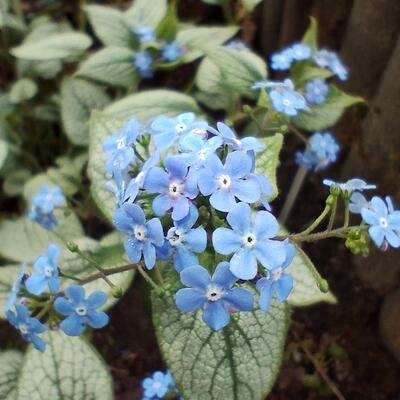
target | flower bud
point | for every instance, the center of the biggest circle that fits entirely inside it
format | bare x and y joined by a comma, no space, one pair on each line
72,247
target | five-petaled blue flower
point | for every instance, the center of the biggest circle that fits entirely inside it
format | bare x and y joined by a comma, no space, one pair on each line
156,386
282,60
329,59
287,101
316,91
384,222
43,205
12,296
249,240
143,62
215,294
226,182
186,240
172,51
352,185
306,159
277,283
46,272
300,52
326,148
119,147
145,33
142,236
166,130
80,311
176,187
28,326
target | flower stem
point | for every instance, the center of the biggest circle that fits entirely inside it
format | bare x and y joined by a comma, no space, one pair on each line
73,278
297,133
346,212
318,221
147,278
333,214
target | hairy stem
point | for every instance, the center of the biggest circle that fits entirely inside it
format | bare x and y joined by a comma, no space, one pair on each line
318,221
333,215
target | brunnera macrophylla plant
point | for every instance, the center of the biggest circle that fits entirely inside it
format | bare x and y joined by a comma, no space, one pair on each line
188,200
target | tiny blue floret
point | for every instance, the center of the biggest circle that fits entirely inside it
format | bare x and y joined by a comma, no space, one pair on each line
172,51
316,91
143,62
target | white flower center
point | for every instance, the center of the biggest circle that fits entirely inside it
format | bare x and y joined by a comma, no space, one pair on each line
175,189
249,240
81,310
180,128
120,143
23,329
225,181
175,237
214,292
276,274
383,223
156,385
201,155
317,90
140,232
286,102
48,271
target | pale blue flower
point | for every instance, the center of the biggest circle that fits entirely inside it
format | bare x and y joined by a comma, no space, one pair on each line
250,239
326,148
287,101
143,62
282,61
172,51
157,385
329,59
145,33
300,52
12,296
214,294
46,272
384,222
28,326
81,311
266,84
226,182
143,237
307,159
316,91
186,240
358,202
277,283
175,187
167,130
350,186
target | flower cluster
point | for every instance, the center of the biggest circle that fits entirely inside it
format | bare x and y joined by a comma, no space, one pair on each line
153,51
287,99
43,205
202,184
79,311
322,151
160,385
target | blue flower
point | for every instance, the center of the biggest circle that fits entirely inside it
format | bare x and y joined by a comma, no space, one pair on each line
157,385
46,272
172,51
329,59
237,45
307,159
226,182
145,33
186,241
350,186
12,296
43,205
287,101
300,52
384,222
124,187
119,147
250,241
80,311
316,91
143,62
266,84
166,130
142,236
283,60
326,148
176,187
358,202
29,327
248,144
215,294
277,283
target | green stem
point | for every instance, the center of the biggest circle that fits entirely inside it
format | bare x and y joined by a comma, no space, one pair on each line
82,15
298,133
346,212
318,221
73,278
226,6
159,275
333,214
147,278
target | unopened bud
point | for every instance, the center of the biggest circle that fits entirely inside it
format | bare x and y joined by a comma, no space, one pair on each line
323,285
72,247
117,292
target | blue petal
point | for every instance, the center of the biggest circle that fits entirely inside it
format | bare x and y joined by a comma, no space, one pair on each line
392,238
97,320
239,299
394,220
54,284
156,180
188,299
216,315
22,312
96,299
155,231
206,181
380,206
75,293
149,253
226,241
214,164
370,217
252,143
377,234
265,225
63,306
192,143
36,326
225,131
38,343
53,252
196,239
122,222
223,276
134,213
243,264
186,223
195,277
265,287
239,218
36,284
73,325
290,253
238,164
163,123
133,249
176,167
246,190
184,258
283,287
180,208
161,204
270,253
164,140
222,200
